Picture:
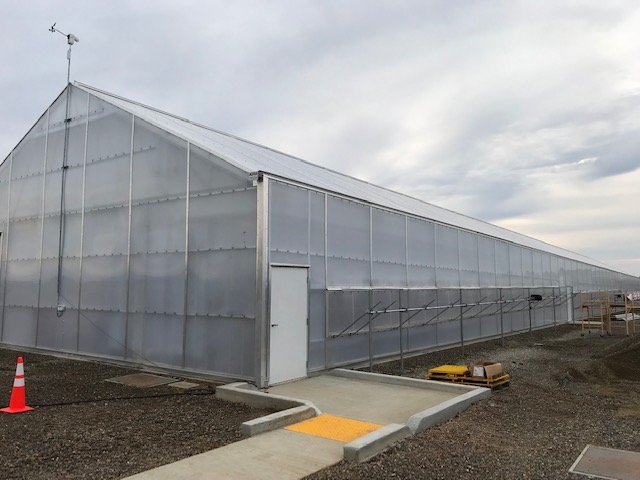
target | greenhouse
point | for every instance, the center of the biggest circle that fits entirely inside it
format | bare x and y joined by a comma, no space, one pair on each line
137,236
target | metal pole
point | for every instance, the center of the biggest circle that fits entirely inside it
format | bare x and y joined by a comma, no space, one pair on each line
501,319
553,294
400,328
529,303
461,325
370,333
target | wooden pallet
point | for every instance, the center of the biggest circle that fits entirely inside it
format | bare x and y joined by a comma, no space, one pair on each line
497,382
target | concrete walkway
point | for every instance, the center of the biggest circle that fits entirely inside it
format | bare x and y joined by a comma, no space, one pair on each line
277,455
392,402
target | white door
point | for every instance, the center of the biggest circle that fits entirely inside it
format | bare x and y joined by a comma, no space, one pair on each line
288,314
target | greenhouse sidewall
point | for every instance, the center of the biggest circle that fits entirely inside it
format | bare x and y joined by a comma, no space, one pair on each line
384,283
153,258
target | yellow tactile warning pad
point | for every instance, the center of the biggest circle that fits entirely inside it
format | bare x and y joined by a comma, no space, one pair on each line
450,369
334,428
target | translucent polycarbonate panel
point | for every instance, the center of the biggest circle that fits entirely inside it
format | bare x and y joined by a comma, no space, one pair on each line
157,283
446,248
344,272
421,276
52,191
155,339
104,283
502,263
49,284
487,255
527,267
109,134
562,272
102,333
222,282
490,326
316,220
515,265
317,314
4,195
547,272
316,272
471,329
26,197
468,251
448,332
469,278
220,221
289,257
388,274
22,283
222,345
421,337
385,300
420,243
24,239
159,163
348,311
29,155
347,230
344,350
19,325
158,227
73,189
106,232
71,237
209,173
447,277
388,237
385,343
107,183
289,218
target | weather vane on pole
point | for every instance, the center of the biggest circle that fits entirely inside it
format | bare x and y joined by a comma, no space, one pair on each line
71,39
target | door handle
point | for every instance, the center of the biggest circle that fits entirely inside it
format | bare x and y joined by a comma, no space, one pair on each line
274,324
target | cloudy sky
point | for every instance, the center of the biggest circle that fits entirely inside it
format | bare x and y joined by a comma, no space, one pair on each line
523,114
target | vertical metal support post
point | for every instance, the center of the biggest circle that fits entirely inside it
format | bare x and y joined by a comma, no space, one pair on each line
400,328
84,182
326,284
529,303
501,319
370,288
126,321
186,258
6,246
461,323
262,279
553,295
44,184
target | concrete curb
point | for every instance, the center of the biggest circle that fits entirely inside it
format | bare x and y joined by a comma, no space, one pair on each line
408,382
363,448
446,410
276,420
242,392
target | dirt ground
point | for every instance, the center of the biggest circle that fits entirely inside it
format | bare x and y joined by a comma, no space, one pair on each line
86,428
567,391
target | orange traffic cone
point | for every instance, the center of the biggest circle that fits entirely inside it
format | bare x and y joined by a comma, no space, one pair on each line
17,404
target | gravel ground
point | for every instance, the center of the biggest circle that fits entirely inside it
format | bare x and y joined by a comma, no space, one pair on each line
85,427
567,391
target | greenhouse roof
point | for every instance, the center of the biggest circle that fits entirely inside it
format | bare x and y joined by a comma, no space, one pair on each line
251,157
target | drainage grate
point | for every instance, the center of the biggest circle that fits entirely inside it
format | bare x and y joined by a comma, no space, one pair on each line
609,463
142,380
